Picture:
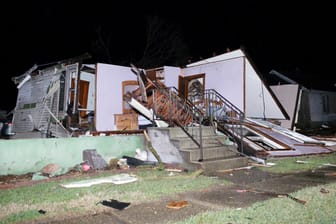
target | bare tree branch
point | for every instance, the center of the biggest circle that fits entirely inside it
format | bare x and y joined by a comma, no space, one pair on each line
164,44
102,45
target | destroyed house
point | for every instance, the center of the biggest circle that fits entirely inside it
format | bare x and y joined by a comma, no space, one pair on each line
46,95
224,92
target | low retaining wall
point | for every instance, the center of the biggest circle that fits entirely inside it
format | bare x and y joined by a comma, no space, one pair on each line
20,156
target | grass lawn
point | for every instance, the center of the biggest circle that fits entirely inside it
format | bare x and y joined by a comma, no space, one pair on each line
24,203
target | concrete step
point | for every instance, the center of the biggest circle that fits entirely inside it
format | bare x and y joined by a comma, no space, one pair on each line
175,132
212,166
207,141
194,154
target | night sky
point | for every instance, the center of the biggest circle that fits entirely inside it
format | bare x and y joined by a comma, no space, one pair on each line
296,39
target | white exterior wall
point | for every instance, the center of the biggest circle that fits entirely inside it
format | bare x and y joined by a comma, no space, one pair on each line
288,96
226,77
232,75
171,75
259,101
109,100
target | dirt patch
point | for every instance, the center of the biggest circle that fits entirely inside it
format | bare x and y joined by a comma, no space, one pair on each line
249,186
24,180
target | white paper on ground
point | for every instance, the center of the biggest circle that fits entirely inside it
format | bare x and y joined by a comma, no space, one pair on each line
122,178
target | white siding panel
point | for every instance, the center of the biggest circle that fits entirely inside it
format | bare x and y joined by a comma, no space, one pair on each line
259,101
109,94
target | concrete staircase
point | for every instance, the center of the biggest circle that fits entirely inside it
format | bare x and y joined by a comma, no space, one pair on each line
180,143
218,152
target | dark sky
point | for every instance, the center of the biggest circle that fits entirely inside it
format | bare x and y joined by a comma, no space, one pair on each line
276,35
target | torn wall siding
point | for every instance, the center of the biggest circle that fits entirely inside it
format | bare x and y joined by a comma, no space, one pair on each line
43,100
34,96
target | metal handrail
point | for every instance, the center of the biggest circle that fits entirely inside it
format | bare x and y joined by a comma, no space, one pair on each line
210,109
181,112
222,113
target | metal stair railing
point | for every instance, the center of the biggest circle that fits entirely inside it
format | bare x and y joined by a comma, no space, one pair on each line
169,106
223,114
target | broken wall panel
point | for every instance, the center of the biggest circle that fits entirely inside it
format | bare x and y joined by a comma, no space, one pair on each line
32,98
296,143
43,102
288,96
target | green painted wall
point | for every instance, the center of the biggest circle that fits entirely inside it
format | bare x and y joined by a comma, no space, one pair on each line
20,156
